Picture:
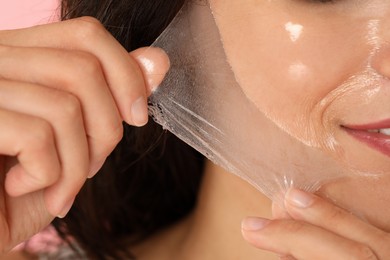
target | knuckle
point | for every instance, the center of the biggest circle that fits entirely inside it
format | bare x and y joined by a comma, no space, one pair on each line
88,28
83,65
40,135
362,252
70,107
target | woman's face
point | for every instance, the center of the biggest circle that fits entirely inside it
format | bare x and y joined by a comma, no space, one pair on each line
320,71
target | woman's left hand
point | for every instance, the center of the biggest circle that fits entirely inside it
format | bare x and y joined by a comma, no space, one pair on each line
317,230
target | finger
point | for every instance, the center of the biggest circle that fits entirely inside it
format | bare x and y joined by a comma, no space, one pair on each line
317,211
279,212
31,139
122,72
154,63
302,241
79,74
18,220
287,258
63,112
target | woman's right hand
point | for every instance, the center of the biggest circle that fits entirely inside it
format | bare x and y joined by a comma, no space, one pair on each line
316,229
65,89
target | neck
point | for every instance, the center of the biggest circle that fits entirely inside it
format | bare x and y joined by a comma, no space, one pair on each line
224,201
213,231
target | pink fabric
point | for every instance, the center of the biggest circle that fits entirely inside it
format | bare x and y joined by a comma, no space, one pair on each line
47,241
24,13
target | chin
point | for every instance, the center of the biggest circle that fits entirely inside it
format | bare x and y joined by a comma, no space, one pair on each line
366,197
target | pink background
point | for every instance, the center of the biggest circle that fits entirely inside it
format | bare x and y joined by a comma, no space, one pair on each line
25,13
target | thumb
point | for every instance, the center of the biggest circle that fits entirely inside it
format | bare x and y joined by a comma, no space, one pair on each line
154,63
25,215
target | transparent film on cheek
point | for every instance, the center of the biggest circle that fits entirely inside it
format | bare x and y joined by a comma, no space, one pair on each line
201,102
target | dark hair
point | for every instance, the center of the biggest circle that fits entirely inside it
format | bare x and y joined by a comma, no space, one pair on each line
152,178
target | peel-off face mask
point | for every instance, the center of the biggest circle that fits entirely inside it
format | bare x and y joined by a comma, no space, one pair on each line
284,93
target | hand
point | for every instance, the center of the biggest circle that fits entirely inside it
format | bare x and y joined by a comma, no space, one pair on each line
317,230
65,89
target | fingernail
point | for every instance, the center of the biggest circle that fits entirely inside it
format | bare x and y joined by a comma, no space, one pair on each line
299,198
139,112
66,209
254,223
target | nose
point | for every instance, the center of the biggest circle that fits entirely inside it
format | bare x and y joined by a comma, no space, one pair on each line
381,61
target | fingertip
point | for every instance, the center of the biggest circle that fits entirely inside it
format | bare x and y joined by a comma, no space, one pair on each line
154,63
65,210
299,199
254,223
251,230
94,169
54,205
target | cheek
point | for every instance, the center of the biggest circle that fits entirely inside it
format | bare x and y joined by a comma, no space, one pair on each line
296,67
287,63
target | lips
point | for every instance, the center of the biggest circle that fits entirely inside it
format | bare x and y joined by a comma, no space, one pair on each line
375,135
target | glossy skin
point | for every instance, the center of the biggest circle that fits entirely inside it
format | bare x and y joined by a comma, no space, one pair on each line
313,68
299,62
292,63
